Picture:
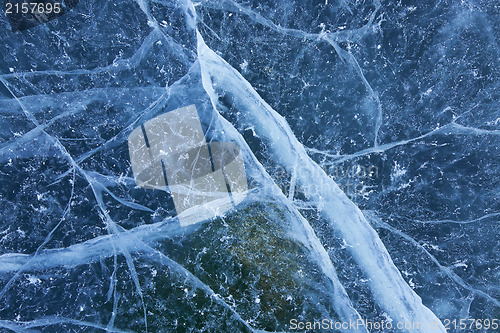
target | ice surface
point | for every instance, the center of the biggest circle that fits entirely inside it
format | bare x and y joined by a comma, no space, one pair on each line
341,162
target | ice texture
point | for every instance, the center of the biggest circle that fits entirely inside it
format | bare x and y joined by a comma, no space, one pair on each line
368,132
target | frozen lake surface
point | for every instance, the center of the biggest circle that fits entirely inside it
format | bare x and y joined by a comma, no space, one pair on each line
362,183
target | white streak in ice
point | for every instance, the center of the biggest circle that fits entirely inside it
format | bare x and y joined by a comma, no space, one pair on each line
390,290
